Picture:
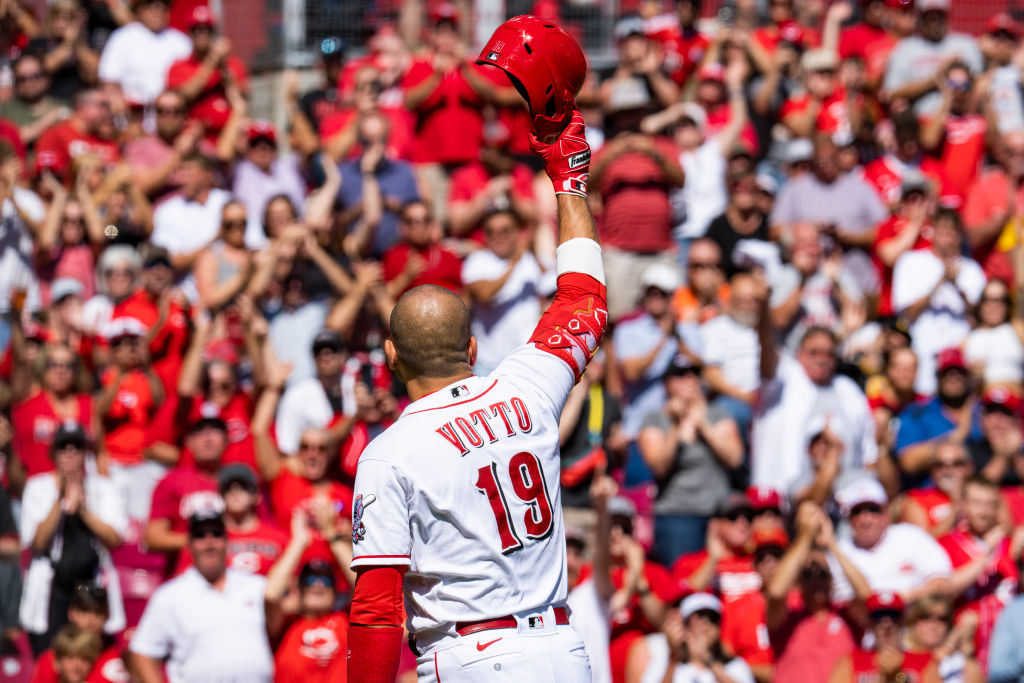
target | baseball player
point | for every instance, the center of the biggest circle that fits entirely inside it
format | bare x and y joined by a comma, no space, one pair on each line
458,502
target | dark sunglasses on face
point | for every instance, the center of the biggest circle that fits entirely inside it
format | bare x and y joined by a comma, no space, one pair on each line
709,614
883,614
56,365
872,508
737,515
318,447
233,225
815,572
208,533
123,341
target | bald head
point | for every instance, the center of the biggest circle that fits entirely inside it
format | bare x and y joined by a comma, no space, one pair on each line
430,331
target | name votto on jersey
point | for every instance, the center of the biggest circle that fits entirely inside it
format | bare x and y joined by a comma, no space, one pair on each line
487,425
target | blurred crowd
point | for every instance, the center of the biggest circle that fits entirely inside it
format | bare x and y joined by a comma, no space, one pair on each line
798,455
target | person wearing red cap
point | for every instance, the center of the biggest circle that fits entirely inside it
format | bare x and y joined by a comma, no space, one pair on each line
936,289
952,412
887,660
1001,430
782,27
200,78
420,258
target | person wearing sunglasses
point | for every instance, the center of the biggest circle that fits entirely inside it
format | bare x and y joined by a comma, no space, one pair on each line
938,508
208,623
887,660
808,641
929,627
897,558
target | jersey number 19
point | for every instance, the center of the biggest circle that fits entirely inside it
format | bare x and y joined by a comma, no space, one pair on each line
527,477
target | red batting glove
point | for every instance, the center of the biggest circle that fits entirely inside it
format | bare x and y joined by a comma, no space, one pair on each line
567,159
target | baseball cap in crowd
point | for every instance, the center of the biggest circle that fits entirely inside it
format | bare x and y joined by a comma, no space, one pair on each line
681,365
763,498
736,504
316,572
950,359
262,129
792,32
885,604
629,26
859,491
999,398
931,6
915,181
699,602
70,433
1002,22
153,255
207,421
663,276
767,184
620,506
236,473
843,137
902,5
332,47
819,59
547,10
124,326
800,149
695,113
772,537
712,71
64,287
201,16
575,537
206,522
327,339
444,11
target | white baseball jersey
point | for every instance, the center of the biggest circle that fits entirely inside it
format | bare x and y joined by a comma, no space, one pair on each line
464,487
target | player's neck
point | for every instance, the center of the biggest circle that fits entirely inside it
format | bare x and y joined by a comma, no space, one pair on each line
419,387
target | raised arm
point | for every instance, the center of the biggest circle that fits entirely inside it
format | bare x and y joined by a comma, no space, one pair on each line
268,457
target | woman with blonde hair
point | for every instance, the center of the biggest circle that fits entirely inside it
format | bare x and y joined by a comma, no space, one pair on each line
930,628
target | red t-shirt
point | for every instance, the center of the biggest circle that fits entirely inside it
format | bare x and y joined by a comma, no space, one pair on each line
734,576
290,493
745,631
167,349
768,37
237,415
449,124
636,216
886,175
718,119
936,504
684,50
1014,497
65,142
807,646
892,227
129,417
963,149
865,668
108,668
468,181
400,140
443,267
987,198
211,106
833,115
314,650
990,592
34,423
872,44
183,492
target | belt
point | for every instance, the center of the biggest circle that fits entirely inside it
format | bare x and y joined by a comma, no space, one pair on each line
465,628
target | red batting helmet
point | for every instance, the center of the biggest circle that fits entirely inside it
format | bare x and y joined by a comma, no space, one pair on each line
545,65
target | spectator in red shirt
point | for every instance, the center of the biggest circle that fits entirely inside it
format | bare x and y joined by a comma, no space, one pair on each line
995,198
888,658
187,490
420,258
983,557
956,133
155,158
88,612
298,483
685,47
939,508
886,173
726,564
314,644
61,397
908,228
201,77
130,396
253,544
495,181
825,106
89,131
807,632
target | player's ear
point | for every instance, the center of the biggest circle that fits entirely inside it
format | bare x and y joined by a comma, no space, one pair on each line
391,353
471,350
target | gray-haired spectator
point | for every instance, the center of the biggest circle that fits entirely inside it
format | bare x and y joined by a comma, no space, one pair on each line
116,273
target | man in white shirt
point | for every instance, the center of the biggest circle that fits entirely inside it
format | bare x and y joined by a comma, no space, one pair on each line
936,289
502,280
208,624
897,558
138,55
